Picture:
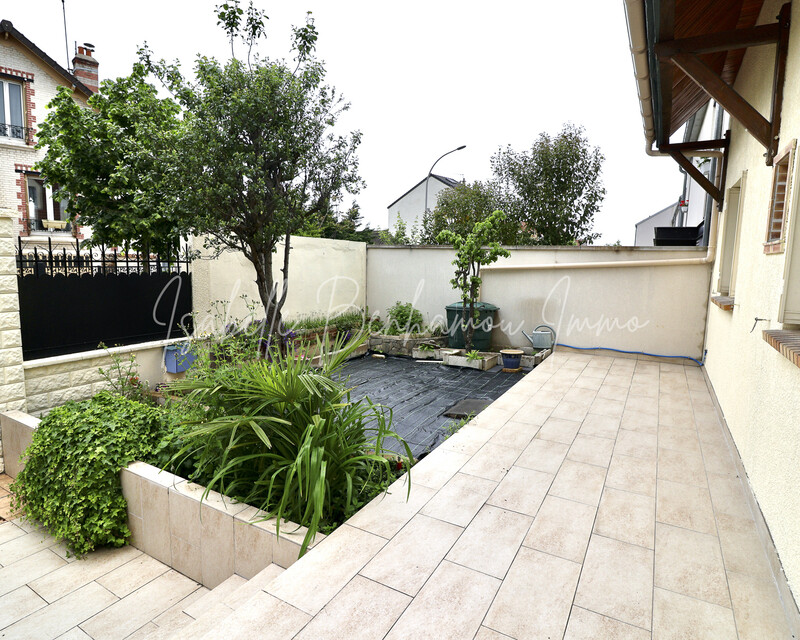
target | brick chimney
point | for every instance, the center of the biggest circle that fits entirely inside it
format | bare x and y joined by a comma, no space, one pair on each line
85,66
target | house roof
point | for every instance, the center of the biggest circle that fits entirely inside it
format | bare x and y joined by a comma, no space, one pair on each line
8,28
448,182
658,213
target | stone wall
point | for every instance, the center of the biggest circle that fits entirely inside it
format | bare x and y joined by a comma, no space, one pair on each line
401,345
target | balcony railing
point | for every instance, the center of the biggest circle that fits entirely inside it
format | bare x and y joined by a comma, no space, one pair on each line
50,226
16,132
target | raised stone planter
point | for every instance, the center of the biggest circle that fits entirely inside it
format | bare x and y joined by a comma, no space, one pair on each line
459,359
402,345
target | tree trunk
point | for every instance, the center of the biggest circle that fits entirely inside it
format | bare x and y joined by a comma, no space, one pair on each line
272,296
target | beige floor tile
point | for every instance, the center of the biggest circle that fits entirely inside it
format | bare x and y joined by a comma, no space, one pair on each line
559,430
409,558
339,557
543,455
587,625
637,444
132,575
438,467
150,631
93,566
681,466
262,612
728,497
685,506
491,541
363,609
17,604
639,421
608,407
491,462
28,569
618,380
682,417
175,617
561,528
63,615
535,599
647,389
455,597
580,482
485,633
468,440
197,608
588,382
74,634
632,474
24,546
618,392
629,517
617,581
678,439
140,607
515,435
388,512
493,418
532,413
742,550
9,531
257,583
642,404
677,617
690,563
591,450
460,499
601,426
567,410
581,396
522,490
757,608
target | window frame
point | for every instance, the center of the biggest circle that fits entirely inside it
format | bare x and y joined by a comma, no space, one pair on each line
785,158
6,124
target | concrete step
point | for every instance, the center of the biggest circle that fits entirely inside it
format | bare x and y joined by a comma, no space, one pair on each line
197,608
237,598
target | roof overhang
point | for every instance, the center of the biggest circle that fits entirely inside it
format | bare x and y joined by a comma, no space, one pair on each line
7,28
686,52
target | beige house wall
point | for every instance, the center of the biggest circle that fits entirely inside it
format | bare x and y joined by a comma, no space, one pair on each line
758,389
325,277
656,309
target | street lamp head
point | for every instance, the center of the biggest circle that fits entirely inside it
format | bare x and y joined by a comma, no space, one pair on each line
463,146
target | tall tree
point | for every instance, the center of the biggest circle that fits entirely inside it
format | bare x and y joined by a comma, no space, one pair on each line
258,158
459,208
112,161
553,191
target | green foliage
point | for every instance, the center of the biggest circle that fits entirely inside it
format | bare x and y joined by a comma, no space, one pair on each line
70,482
339,227
403,318
553,191
122,375
286,438
114,162
479,247
258,158
401,234
474,355
426,347
458,209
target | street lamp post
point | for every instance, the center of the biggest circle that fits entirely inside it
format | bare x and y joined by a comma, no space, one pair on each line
463,146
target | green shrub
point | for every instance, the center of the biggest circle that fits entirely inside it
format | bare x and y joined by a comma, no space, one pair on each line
286,438
70,482
404,318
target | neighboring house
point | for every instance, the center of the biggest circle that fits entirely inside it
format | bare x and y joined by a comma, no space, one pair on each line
645,229
746,56
411,205
29,79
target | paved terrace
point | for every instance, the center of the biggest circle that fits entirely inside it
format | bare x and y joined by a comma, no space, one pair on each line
598,498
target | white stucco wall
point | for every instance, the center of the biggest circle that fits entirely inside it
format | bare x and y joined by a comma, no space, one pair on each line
645,230
657,309
325,277
411,206
759,389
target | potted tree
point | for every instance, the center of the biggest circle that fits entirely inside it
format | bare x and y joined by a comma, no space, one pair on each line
478,248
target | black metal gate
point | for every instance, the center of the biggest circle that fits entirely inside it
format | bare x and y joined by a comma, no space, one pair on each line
72,300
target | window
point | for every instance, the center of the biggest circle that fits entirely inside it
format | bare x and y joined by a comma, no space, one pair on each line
729,244
12,124
45,213
777,205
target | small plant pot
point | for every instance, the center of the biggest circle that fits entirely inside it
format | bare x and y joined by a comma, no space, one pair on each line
512,359
178,358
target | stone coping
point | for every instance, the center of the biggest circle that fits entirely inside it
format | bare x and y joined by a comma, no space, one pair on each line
207,538
99,353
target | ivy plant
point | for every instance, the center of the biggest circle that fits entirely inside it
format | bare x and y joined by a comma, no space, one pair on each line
479,247
71,482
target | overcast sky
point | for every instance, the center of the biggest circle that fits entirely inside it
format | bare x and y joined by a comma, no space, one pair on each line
422,78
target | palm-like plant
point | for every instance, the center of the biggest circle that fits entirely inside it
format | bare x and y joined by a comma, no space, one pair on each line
281,435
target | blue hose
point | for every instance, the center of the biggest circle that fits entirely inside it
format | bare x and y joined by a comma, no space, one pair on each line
641,353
